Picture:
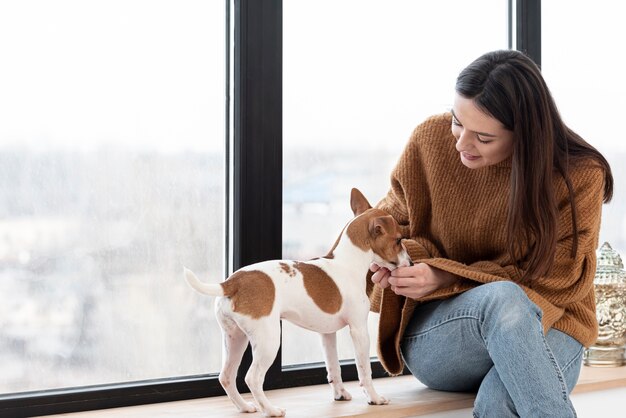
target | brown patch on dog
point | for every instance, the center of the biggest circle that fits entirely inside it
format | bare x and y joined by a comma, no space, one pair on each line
359,229
320,287
251,293
286,268
375,229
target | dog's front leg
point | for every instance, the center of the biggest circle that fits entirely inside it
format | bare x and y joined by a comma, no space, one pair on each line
329,342
361,341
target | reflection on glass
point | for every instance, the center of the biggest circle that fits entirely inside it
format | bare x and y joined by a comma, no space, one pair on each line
585,74
353,92
111,179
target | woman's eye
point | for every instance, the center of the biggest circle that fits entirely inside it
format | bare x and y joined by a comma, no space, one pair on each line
456,122
482,141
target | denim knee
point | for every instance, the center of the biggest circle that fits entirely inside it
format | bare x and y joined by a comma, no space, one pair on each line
508,303
443,347
504,291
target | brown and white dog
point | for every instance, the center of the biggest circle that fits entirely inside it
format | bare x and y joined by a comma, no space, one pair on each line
322,295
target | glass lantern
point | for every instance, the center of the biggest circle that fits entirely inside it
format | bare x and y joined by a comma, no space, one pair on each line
610,288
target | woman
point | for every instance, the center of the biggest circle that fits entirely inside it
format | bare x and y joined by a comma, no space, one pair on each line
500,204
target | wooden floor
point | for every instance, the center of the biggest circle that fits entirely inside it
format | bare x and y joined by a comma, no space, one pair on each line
409,398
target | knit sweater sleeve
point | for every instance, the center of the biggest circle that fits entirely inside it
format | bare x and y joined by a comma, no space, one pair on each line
411,209
409,199
571,278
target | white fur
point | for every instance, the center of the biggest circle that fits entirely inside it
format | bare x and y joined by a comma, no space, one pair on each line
200,287
347,269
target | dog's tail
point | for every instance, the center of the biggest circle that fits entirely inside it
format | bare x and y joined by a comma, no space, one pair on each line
204,288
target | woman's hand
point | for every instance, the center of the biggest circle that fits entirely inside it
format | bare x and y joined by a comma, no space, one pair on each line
414,282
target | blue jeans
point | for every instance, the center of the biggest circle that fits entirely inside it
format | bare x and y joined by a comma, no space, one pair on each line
490,340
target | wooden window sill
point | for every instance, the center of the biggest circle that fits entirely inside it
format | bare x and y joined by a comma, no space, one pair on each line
409,398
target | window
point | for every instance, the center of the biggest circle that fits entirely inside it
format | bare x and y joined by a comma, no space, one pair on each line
352,95
111,179
584,70
112,171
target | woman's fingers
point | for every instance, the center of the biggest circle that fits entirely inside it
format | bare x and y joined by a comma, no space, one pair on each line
381,277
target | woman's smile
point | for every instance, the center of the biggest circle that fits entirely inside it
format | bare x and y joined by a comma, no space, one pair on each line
470,156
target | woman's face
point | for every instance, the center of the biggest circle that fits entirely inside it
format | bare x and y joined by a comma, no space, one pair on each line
481,139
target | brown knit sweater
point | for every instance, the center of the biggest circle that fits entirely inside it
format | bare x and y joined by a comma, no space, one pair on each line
455,220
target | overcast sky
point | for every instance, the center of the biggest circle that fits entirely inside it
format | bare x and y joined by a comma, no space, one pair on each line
85,72
149,74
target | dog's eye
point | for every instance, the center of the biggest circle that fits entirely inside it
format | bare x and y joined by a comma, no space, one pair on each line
399,241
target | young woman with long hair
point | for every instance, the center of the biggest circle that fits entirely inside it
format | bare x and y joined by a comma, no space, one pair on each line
500,203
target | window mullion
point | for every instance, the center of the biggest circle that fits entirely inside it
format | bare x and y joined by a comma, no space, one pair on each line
528,28
257,150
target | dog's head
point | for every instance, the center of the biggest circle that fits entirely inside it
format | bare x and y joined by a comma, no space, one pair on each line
377,230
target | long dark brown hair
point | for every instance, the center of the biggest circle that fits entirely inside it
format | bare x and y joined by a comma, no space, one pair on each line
509,86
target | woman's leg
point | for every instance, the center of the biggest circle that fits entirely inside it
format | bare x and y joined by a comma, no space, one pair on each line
493,400
443,346
453,344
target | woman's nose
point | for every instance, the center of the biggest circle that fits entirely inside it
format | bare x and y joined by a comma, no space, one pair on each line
463,141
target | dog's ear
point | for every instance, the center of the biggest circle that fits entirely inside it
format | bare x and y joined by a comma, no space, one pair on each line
358,202
380,225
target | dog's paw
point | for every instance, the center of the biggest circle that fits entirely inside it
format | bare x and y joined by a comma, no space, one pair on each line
275,412
381,400
342,395
248,408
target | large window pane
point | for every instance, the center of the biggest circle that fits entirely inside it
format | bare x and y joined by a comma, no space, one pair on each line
585,72
358,77
111,179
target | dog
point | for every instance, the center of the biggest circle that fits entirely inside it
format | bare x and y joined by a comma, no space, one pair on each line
323,295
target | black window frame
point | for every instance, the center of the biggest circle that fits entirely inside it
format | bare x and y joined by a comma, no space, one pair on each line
255,184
